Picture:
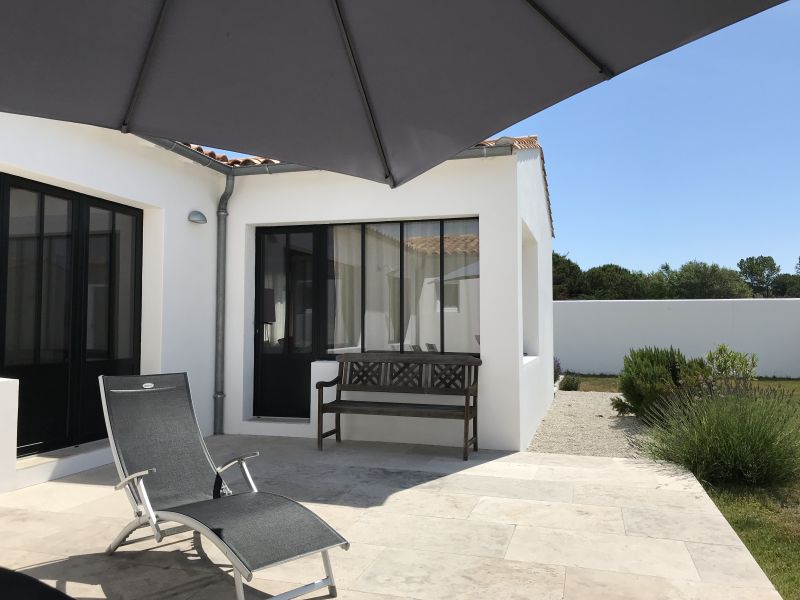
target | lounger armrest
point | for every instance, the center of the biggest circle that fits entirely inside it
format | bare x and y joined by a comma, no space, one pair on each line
133,477
332,382
238,460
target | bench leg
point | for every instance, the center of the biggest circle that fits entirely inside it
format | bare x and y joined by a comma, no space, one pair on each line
320,416
338,428
475,431
466,436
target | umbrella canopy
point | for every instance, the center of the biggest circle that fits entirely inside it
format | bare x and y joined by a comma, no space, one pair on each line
379,89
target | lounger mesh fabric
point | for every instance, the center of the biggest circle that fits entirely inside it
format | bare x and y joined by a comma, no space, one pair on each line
153,426
291,529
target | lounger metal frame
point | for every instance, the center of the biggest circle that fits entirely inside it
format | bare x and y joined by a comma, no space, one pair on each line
145,515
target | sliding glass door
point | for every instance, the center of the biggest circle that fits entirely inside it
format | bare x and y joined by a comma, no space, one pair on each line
70,298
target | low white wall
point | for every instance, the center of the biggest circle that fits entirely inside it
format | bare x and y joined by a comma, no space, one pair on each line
9,389
593,336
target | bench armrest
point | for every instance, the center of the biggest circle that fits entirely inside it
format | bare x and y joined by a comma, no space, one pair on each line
132,478
332,382
238,460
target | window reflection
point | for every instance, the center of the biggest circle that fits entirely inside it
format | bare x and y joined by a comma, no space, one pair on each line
421,313
461,286
382,290
408,304
97,285
344,289
23,258
56,273
273,297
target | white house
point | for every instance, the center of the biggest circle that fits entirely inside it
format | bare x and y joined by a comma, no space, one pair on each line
104,270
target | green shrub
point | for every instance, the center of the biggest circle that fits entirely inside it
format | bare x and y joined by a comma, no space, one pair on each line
739,434
696,376
647,375
728,365
570,383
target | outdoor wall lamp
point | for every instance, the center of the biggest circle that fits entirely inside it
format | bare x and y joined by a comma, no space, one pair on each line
197,217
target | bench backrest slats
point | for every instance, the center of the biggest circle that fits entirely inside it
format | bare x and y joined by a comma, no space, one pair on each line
411,373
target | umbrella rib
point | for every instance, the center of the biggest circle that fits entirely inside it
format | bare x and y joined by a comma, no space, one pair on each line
601,67
363,91
134,97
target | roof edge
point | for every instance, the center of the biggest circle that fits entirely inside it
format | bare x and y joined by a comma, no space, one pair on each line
255,165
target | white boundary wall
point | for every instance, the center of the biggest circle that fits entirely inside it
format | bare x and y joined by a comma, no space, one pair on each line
592,336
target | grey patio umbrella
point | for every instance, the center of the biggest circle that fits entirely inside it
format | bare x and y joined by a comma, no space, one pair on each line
379,89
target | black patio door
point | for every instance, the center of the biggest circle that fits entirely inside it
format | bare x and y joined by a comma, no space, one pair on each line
70,280
287,319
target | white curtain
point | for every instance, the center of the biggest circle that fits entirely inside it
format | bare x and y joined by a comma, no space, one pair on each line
344,289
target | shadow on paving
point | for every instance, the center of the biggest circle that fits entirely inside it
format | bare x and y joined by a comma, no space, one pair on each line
350,474
128,575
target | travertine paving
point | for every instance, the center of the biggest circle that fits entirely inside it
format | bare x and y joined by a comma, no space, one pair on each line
422,523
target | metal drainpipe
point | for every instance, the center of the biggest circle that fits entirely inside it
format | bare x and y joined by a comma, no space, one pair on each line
219,349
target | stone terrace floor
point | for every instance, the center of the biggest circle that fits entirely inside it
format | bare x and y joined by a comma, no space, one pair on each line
423,524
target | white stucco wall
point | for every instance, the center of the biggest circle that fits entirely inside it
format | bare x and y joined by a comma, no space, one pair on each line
535,295
178,256
593,336
504,193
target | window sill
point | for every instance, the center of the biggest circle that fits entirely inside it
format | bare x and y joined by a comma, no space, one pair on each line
293,420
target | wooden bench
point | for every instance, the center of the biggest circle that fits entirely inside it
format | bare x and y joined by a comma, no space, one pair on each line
408,373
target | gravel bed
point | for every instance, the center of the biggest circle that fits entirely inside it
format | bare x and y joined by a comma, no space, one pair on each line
584,423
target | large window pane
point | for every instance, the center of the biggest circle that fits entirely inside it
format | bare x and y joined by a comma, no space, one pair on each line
344,289
273,292
301,299
421,281
23,268
97,286
56,277
382,310
125,255
461,295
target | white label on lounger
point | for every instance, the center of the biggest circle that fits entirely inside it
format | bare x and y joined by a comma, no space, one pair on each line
147,386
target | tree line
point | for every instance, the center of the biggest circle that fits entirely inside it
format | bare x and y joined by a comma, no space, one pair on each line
756,277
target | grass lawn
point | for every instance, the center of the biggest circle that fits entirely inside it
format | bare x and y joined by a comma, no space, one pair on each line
608,383
599,383
791,384
768,522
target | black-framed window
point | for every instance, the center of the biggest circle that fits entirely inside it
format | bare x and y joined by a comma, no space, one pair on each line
386,282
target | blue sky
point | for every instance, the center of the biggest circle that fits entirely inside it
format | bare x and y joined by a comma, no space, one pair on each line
694,155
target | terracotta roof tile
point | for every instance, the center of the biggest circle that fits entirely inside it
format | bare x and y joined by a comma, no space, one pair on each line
232,162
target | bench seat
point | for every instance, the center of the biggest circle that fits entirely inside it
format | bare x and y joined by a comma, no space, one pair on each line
427,373
395,409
